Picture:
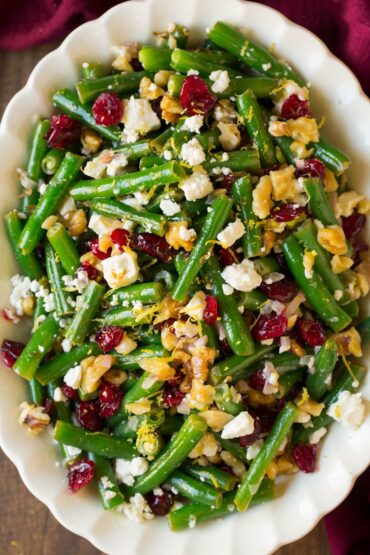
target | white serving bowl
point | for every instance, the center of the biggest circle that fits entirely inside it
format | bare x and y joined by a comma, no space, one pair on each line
345,454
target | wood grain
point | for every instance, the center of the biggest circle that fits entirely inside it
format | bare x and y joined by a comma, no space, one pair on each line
26,526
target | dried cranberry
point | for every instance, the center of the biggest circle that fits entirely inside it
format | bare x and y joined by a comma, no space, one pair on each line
80,473
110,397
269,326
247,441
286,212
48,405
225,347
87,414
257,380
227,181
305,457
358,246
136,64
160,505
195,96
284,290
226,256
69,392
108,337
64,131
120,237
157,247
311,332
210,314
94,247
40,253
353,224
172,396
92,273
294,108
282,263
312,167
10,351
165,324
156,107
6,314
107,109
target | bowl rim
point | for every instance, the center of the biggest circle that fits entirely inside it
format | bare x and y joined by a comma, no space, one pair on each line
29,86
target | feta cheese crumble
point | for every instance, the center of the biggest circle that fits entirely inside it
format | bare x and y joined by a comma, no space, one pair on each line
221,80
73,377
193,123
241,425
348,409
232,232
197,186
139,119
242,277
103,225
121,270
192,153
137,509
196,306
169,207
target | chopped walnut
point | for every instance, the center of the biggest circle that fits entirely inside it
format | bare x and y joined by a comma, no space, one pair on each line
284,184
262,203
201,395
76,222
34,417
269,239
346,203
91,141
206,446
216,419
330,182
139,407
124,54
162,77
332,239
158,367
304,130
340,264
94,368
237,466
349,342
171,108
49,222
179,236
149,90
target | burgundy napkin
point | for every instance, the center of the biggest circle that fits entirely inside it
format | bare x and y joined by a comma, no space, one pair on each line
344,25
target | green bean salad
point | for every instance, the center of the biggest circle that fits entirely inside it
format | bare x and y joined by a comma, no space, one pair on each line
190,256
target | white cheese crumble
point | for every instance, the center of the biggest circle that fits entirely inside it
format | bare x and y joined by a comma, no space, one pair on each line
316,436
254,449
167,155
241,425
71,452
193,123
221,80
118,162
192,153
348,409
137,509
58,395
197,186
187,234
196,306
103,225
127,471
139,119
230,135
227,290
126,345
66,345
193,72
232,232
271,377
242,277
121,270
68,205
73,377
169,207
285,344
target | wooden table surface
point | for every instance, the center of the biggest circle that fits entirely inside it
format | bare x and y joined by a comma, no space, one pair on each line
26,526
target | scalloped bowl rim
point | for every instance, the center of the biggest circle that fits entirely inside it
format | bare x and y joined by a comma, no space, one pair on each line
338,468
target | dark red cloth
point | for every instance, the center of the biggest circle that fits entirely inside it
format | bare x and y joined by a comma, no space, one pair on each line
344,25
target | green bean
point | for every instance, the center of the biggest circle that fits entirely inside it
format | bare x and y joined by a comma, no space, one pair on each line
172,456
171,425
266,265
143,180
38,313
316,292
92,70
126,429
36,392
216,218
284,145
155,59
187,515
56,367
307,236
157,145
195,490
256,127
150,162
37,151
251,53
237,365
146,293
252,241
37,348
132,151
125,317
80,326
289,380
107,483
154,223
52,160
122,83
254,476
325,361
225,400
149,442
353,309
236,330
64,247
344,381
318,201
49,202
68,101
210,332
364,330
238,160
55,272
253,300
29,263
132,360
332,157
211,475
260,86
99,443
233,447
184,60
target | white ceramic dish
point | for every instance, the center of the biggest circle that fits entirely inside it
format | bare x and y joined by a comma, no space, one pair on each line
345,454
